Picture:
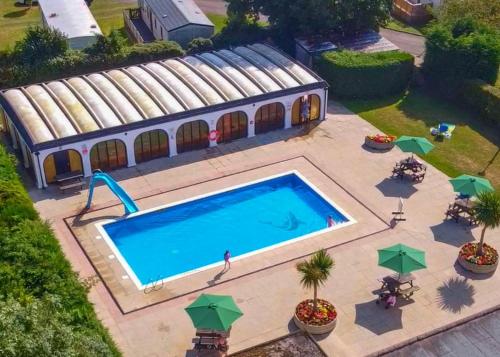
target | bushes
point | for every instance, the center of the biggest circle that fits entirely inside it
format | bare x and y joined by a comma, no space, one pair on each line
32,270
459,51
483,98
199,44
365,75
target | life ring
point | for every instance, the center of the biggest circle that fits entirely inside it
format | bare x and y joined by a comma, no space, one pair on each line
214,135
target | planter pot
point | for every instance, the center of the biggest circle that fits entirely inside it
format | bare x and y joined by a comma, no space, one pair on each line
378,146
314,329
475,268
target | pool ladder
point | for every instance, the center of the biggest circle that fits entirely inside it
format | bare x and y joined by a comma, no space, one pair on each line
153,285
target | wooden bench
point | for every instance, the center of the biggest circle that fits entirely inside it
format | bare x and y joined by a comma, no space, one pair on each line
67,185
406,293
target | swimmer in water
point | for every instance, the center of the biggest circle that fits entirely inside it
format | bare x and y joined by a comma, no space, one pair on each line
330,222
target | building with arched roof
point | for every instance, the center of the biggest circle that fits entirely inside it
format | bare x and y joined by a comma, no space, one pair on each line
123,116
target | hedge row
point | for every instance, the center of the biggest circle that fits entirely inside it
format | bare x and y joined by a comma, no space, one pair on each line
482,98
365,75
460,51
78,62
33,268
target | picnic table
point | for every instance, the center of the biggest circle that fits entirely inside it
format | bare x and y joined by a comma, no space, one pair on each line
211,340
409,167
396,284
462,208
70,180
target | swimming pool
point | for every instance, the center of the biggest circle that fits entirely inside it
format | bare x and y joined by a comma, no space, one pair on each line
182,238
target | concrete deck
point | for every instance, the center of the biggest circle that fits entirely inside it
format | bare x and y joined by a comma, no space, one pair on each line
266,286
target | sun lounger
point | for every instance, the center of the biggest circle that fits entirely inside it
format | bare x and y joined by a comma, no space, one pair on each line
444,130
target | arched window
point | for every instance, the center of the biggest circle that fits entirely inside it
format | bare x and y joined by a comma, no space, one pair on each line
151,145
60,163
232,126
306,108
108,155
192,136
269,117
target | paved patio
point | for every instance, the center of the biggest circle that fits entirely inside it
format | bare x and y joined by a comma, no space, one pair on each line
266,286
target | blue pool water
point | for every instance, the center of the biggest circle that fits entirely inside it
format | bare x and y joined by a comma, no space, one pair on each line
181,238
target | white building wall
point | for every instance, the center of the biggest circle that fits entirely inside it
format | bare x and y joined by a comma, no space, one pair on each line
171,128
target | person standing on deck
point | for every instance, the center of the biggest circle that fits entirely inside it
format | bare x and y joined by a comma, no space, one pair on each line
227,263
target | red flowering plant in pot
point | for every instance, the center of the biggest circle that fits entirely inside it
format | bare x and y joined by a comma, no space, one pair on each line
480,257
315,315
380,142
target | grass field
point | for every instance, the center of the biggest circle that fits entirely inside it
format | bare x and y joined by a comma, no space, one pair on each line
473,148
218,20
15,19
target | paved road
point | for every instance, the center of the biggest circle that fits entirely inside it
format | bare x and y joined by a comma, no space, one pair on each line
407,42
212,6
479,338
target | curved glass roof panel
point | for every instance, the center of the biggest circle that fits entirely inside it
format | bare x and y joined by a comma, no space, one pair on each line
262,62
222,83
135,92
168,101
181,89
278,58
29,117
119,101
222,80
258,76
75,108
55,117
246,84
104,113
209,94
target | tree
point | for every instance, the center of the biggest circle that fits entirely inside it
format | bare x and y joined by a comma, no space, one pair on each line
315,272
40,328
487,12
40,44
107,46
199,44
488,214
314,17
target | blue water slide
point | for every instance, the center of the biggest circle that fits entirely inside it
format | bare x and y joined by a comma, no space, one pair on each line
128,202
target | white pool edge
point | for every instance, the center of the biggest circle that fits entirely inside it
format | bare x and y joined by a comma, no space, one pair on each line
130,272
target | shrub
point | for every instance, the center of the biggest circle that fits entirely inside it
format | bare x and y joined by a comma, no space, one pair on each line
111,45
482,98
40,44
235,34
32,267
365,75
200,44
152,51
459,51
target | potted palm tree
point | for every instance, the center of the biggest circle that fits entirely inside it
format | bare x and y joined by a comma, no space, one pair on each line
316,316
480,257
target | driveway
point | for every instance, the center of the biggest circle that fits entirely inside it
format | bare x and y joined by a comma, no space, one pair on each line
212,6
407,42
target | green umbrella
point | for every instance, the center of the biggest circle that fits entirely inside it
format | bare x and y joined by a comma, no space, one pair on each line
401,258
471,185
213,312
414,144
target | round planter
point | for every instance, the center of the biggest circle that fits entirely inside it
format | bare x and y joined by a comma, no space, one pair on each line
378,146
475,268
314,329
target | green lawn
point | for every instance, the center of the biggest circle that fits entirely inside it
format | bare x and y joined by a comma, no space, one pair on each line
473,148
218,20
15,19
397,25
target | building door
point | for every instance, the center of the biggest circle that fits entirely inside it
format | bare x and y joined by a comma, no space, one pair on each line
61,160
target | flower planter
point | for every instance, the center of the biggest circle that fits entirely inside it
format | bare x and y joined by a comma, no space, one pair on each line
485,264
378,145
322,321
314,329
476,268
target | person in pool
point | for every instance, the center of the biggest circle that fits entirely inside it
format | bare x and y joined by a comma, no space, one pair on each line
330,222
227,263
